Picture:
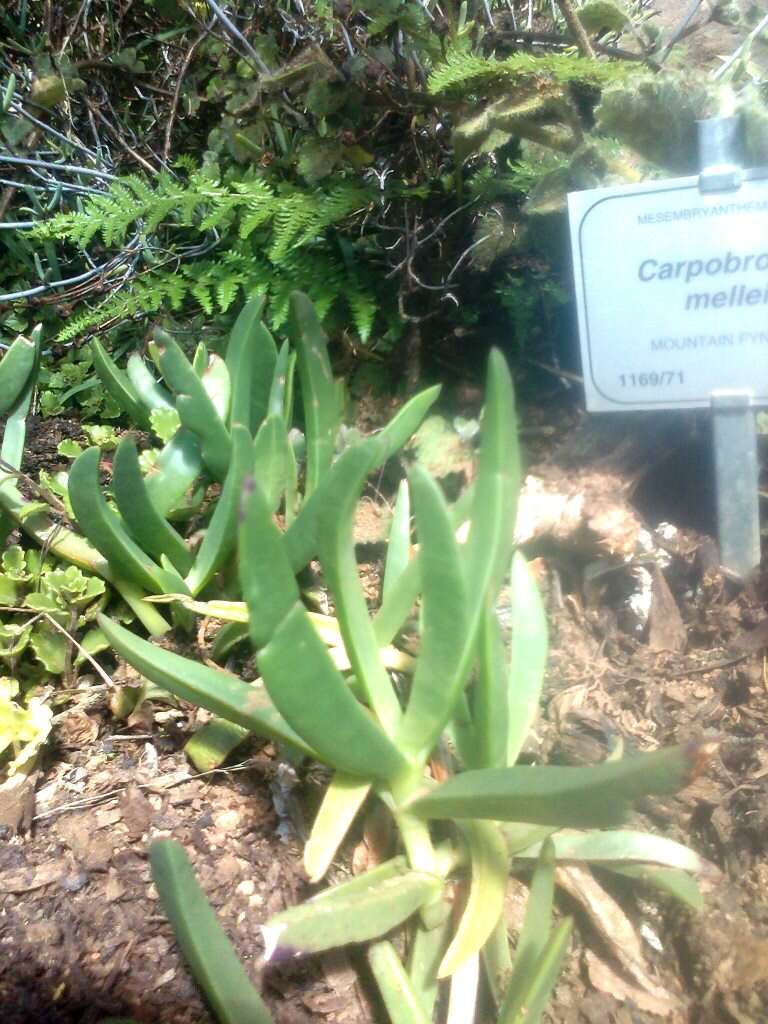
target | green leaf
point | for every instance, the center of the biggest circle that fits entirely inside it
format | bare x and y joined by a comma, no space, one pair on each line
534,933
426,950
195,407
313,696
441,667
489,697
50,647
203,941
590,796
542,979
149,391
337,555
251,357
399,543
149,528
174,472
245,704
319,395
671,881
350,913
266,577
106,532
620,845
400,998
530,644
271,459
118,385
341,802
220,538
490,866
15,370
165,423
213,743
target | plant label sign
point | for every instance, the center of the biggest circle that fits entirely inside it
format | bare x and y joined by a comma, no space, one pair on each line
672,292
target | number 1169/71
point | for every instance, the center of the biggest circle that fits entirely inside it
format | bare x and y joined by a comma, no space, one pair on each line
652,379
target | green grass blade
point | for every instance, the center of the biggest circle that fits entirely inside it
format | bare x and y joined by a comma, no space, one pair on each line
245,704
401,1000
220,538
15,430
16,367
399,543
104,529
196,409
337,555
118,386
341,802
318,390
203,941
439,677
490,867
315,699
592,796
178,466
151,530
537,924
405,423
346,916
542,979
279,386
530,643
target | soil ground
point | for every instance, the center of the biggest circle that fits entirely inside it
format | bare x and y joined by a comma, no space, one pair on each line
81,931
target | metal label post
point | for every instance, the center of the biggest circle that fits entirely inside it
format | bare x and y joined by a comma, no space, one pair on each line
733,420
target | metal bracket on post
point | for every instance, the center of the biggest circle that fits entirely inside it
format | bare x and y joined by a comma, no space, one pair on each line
736,481
733,420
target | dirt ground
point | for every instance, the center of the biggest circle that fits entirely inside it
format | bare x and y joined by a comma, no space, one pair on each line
81,931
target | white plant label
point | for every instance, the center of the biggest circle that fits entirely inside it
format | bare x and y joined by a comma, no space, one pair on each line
672,293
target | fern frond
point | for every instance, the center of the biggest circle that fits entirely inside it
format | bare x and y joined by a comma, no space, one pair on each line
467,71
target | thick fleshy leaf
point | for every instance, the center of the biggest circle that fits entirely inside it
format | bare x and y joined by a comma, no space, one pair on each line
426,949
337,555
104,529
194,405
178,466
490,867
530,643
315,699
271,459
16,367
149,391
492,522
541,981
251,356
350,913
202,939
489,697
118,385
151,530
439,677
245,704
591,796
399,542
621,846
341,802
671,881
266,577
301,538
400,998
220,538
213,743
318,389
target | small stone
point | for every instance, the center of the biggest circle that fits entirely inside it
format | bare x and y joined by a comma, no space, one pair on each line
246,888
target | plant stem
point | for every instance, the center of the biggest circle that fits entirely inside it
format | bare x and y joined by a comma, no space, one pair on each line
576,28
